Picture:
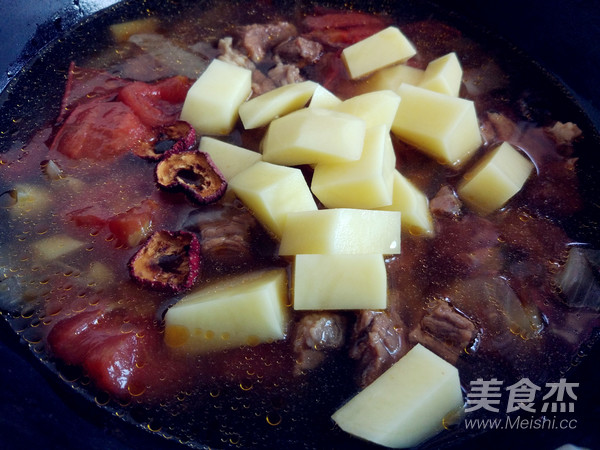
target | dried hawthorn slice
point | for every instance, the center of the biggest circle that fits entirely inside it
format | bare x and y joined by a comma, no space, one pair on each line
169,260
192,172
178,136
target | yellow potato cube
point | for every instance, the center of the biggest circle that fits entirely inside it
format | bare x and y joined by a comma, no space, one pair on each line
312,136
341,231
387,47
323,98
391,78
54,247
375,108
412,203
495,179
271,192
443,75
407,404
121,32
247,309
325,282
261,110
229,158
212,103
366,183
444,127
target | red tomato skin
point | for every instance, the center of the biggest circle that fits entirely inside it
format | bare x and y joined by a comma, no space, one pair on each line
156,104
100,131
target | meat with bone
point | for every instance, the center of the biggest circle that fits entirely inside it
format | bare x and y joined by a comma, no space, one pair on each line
378,341
257,39
315,334
444,331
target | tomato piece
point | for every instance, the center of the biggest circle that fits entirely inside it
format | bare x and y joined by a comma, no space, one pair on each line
100,131
87,217
115,350
156,104
343,20
85,85
132,226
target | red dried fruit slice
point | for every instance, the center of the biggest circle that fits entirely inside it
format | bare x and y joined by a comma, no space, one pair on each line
179,136
169,260
192,172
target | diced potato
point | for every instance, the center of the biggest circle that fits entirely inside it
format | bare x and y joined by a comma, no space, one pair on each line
121,32
387,47
391,78
341,231
229,158
407,404
247,309
375,108
271,192
495,179
56,246
100,275
366,183
261,110
212,103
444,127
323,98
412,203
30,199
443,75
312,136
324,282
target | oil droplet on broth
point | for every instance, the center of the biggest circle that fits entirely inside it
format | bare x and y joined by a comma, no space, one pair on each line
246,385
273,419
176,335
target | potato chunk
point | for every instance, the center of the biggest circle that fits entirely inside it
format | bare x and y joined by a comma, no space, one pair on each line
312,136
56,246
271,192
323,98
323,282
212,103
261,110
412,203
341,231
407,404
387,47
391,78
248,309
375,108
495,179
443,75
229,158
444,127
366,183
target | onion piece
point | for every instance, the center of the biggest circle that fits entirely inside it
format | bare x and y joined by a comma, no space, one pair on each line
579,278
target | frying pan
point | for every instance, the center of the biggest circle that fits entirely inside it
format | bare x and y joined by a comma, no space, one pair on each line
37,409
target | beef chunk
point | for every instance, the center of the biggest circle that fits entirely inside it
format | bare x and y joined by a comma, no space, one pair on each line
444,331
258,39
314,335
227,234
260,82
445,202
378,341
283,74
299,50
